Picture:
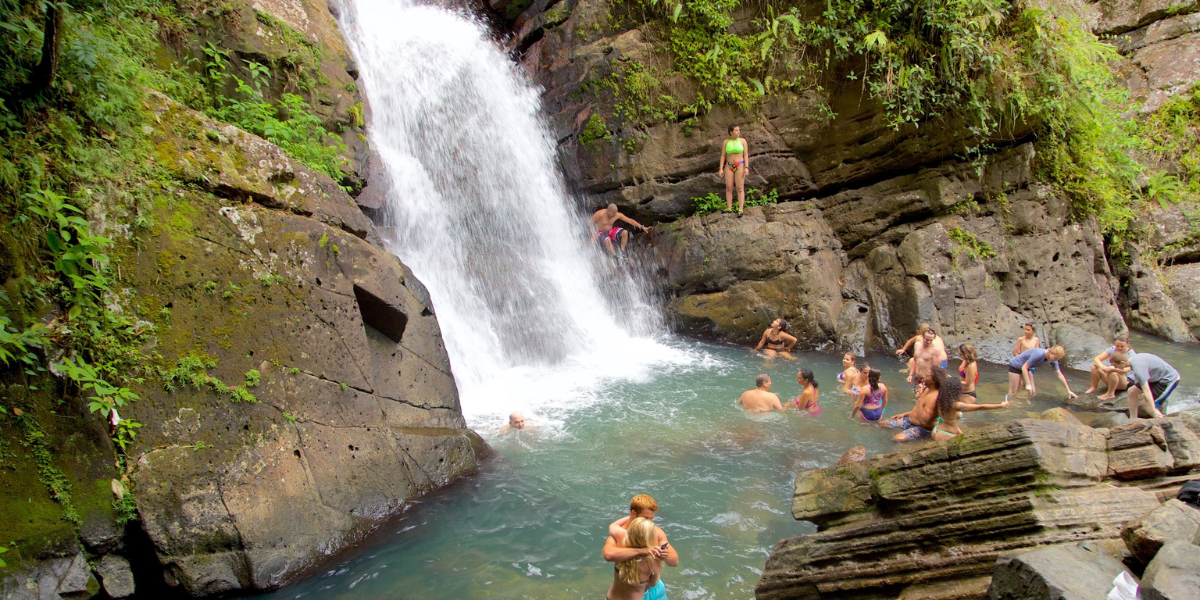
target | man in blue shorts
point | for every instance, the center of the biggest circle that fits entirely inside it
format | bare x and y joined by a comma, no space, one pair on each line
642,505
1151,381
1020,366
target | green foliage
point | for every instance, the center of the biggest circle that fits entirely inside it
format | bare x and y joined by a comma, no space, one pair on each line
79,256
192,371
18,346
594,130
253,377
971,243
712,202
104,396
51,476
125,508
2,563
289,417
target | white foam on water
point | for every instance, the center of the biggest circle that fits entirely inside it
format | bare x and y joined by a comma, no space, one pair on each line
534,318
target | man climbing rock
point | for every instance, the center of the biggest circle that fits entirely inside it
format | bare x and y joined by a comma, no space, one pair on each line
605,223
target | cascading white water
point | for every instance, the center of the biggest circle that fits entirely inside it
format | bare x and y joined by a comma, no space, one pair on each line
478,210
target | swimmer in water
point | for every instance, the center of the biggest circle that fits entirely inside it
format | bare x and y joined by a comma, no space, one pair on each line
760,399
872,398
807,399
516,422
849,374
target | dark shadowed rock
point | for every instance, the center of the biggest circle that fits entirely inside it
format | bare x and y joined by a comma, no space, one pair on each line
1068,572
1173,521
1174,574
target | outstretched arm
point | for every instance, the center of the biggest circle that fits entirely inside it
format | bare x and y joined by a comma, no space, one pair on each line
1063,379
965,407
622,217
903,349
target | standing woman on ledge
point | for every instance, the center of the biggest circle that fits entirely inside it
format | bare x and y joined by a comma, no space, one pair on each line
735,161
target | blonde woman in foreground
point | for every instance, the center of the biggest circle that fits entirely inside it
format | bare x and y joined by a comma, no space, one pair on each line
631,578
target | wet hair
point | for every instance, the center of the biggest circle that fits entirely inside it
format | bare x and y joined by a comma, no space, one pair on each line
761,380
1121,338
640,535
642,502
937,376
852,358
732,126
783,324
873,378
1119,357
808,376
923,327
949,392
968,353
864,372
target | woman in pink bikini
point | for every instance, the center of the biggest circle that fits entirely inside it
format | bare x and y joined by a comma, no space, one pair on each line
735,162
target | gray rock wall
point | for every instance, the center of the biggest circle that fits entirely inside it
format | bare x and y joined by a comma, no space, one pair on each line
861,269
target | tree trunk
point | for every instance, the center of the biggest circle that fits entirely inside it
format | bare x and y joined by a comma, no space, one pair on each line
43,75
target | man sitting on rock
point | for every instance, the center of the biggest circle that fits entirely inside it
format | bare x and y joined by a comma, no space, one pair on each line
760,399
1151,381
642,505
605,223
1113,377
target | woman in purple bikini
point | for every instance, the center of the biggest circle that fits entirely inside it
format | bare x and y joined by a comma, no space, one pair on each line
872,398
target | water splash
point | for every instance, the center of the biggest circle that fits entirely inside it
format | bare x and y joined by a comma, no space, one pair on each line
530,311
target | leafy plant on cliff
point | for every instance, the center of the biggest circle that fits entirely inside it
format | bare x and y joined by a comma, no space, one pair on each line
51,476
970,242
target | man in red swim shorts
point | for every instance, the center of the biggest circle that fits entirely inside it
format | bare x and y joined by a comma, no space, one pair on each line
605,224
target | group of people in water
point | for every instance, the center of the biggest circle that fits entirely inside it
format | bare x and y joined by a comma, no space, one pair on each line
942,397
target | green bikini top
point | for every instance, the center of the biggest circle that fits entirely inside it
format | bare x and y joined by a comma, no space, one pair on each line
734,146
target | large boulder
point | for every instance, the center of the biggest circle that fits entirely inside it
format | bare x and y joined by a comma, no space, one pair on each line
304,395
932,521
1174,574
1068,572
1172,522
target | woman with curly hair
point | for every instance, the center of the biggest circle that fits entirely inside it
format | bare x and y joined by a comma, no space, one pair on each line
950,406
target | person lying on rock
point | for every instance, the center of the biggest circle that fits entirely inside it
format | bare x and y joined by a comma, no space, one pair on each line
777,340
641,506
849,374
807,400
605,223
1021,366
872,397
1151,381
919,421
1113,377
951,404
760,399
1029,341
930,350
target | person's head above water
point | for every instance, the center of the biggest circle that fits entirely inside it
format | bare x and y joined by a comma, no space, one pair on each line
929,335
762,381
873,377
806,378
949,391
781,323
516,420
642,505
848,360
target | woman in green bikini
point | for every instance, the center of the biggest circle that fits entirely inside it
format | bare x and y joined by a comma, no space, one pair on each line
735,162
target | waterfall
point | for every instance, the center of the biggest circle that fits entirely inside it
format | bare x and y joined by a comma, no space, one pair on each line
477,208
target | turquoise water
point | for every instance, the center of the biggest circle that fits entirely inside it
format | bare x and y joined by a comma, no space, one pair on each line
532,523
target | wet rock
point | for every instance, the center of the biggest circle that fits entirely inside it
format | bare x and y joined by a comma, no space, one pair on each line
116,576
1183,286
1148,307
1109,419
853,455
1057,415
1068,572
942,514
1173,521
1174,574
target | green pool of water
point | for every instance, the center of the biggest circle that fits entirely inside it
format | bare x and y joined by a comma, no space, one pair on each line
532,523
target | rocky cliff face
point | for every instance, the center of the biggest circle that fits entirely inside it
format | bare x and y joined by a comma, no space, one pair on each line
932,522
879,237
975,250
297,391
